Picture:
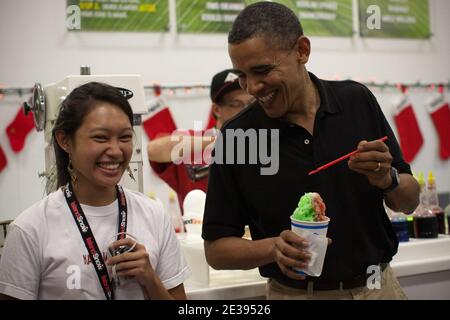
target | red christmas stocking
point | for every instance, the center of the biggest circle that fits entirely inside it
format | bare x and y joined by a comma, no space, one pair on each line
411,139
3,160
19,129
439,111
160,123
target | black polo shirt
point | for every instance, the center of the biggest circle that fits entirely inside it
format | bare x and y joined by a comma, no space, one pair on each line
239,195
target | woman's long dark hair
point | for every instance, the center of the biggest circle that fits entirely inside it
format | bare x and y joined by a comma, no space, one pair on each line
73,112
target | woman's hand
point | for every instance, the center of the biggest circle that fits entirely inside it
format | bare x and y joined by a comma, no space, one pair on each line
134,264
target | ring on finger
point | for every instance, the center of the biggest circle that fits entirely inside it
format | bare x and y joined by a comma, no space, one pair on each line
378,167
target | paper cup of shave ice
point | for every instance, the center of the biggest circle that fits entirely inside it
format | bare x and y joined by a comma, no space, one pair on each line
315,233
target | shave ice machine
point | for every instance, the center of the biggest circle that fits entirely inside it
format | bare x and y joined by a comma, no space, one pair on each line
45,103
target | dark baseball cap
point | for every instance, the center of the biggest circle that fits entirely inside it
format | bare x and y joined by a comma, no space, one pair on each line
222,83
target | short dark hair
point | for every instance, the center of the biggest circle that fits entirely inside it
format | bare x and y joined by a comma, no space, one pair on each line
267,19
72,112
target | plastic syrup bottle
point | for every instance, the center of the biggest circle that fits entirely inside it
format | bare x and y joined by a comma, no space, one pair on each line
410,219
447,213
425,221
175,216
399,224
410,224
434,203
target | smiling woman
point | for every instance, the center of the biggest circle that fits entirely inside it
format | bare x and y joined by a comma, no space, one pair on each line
93,141
57,248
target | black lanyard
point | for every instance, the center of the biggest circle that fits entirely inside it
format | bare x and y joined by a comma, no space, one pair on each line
88,236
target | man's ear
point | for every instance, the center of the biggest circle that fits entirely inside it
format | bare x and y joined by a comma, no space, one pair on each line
63,140
215,110
303,49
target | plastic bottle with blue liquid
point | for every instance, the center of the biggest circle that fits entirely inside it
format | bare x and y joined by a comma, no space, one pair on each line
399,224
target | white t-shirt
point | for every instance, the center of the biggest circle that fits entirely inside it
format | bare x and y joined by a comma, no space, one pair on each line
45,257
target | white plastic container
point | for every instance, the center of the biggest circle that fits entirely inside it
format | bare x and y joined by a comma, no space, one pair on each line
315,233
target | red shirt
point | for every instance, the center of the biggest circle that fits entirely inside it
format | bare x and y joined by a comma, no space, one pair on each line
177,177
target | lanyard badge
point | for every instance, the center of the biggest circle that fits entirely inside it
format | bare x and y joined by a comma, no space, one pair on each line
89,239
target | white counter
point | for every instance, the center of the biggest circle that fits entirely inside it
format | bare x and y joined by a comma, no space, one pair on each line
422,266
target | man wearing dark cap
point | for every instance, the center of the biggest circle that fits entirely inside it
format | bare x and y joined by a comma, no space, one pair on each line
228,99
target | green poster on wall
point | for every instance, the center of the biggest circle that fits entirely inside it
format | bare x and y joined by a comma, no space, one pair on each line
117,15
394,18
318,18
330,18
206,16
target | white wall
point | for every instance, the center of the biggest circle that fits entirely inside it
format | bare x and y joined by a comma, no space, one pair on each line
35,47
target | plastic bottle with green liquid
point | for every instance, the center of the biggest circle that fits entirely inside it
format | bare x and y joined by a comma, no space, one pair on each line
433,202
410,219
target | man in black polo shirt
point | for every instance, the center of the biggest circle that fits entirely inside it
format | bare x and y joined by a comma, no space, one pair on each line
305,122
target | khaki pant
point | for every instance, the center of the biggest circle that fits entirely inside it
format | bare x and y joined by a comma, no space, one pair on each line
390,290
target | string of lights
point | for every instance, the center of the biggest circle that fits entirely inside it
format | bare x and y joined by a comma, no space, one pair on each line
172,90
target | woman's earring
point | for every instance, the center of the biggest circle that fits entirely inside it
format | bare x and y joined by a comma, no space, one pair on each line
130,173
71,171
